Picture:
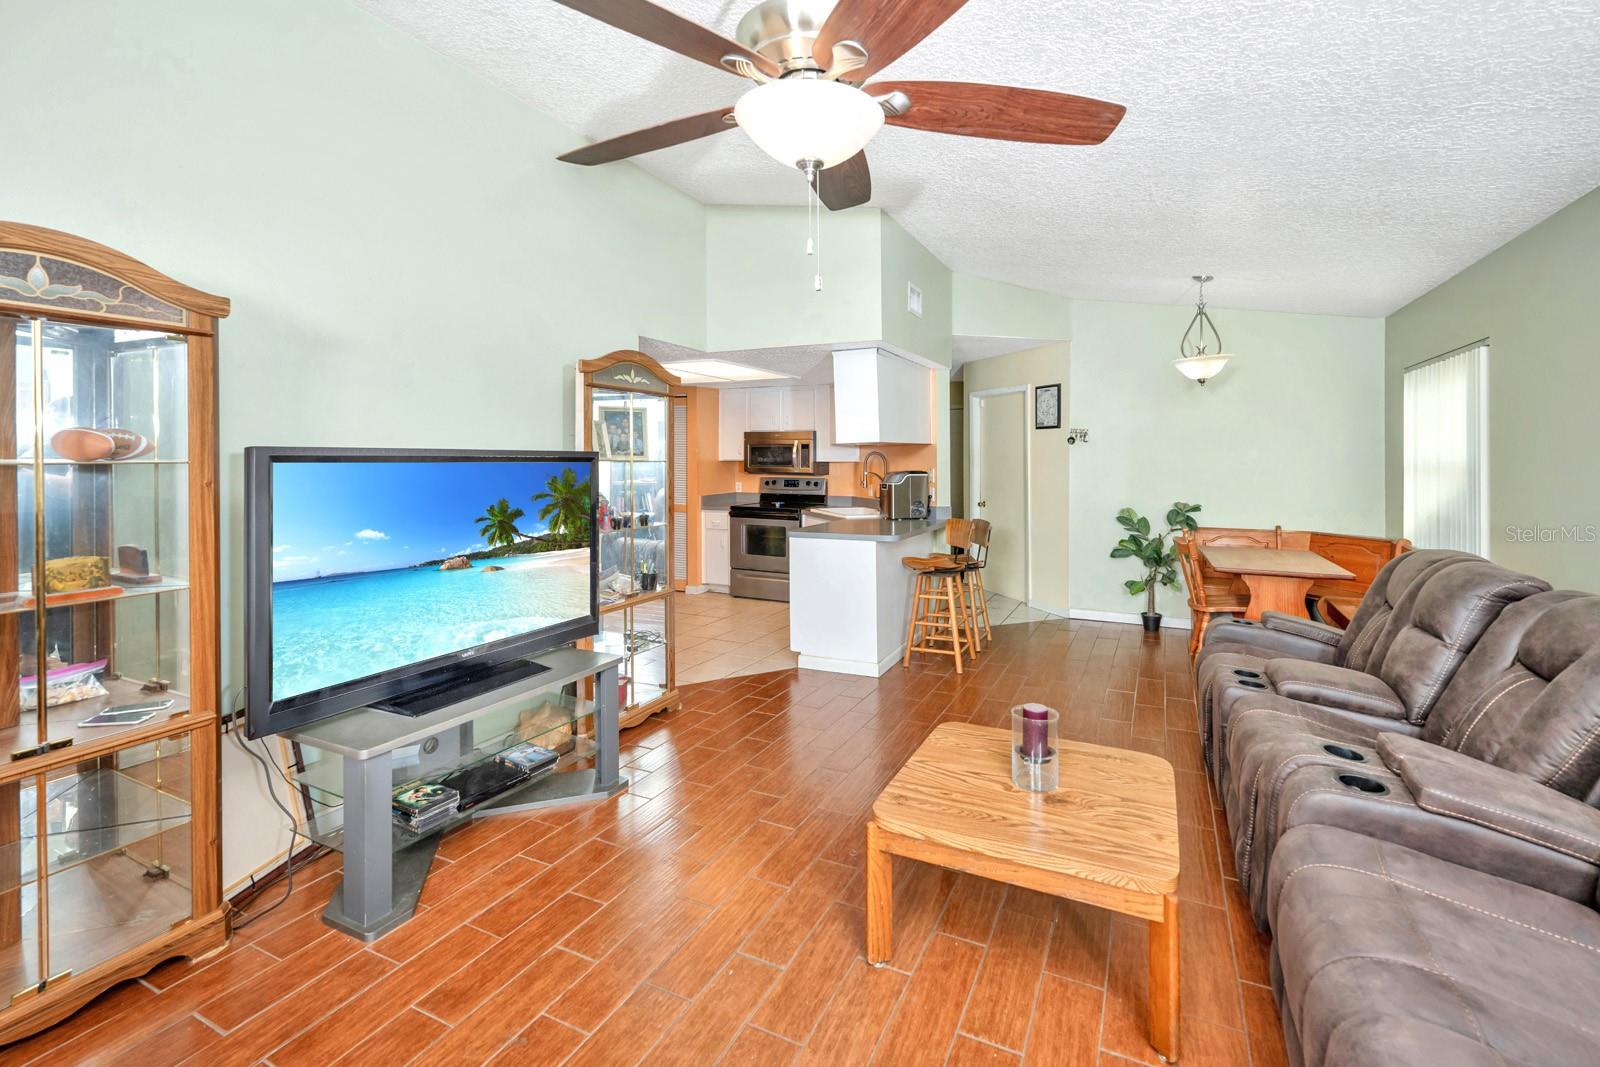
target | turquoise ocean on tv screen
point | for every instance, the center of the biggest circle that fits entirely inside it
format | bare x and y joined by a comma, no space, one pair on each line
357,588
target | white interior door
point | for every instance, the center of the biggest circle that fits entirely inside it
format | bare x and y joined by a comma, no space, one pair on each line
998,487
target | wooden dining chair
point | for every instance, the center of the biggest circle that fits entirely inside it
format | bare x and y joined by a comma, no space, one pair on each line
1205,599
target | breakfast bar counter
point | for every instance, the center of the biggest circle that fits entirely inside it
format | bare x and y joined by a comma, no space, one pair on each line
849,596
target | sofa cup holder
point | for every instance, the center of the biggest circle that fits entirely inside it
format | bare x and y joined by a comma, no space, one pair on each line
1344,752
1362,783
1248,684
1240,672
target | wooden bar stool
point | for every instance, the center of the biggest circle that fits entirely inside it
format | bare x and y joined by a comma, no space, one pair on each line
938,609
961,536
978,559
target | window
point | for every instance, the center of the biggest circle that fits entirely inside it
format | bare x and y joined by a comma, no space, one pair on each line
1446,451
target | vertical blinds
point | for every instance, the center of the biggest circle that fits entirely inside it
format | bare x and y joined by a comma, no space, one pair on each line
1446,475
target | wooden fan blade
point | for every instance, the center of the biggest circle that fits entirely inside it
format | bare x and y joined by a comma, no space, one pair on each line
1002,112
847,184
659,26
639,142
888,29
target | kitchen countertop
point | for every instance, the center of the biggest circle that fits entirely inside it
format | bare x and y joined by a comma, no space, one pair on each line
724,501
870,529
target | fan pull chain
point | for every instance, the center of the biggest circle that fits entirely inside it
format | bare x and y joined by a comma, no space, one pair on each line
813,222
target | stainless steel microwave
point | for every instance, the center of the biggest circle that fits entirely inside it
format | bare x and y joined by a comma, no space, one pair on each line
783,452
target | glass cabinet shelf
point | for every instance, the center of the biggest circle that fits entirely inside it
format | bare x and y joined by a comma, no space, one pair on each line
12,603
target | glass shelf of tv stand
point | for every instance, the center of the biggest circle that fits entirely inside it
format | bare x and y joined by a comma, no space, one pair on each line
551,720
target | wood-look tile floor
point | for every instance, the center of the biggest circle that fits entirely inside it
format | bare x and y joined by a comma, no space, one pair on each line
713,914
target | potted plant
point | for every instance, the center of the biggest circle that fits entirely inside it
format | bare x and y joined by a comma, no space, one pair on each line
1154,554
648,576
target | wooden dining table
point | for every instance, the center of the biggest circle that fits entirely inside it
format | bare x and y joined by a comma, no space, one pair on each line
1277,578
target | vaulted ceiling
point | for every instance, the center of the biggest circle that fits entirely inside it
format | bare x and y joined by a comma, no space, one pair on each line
1337,157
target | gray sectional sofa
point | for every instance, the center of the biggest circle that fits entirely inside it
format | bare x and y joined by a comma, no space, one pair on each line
1414,805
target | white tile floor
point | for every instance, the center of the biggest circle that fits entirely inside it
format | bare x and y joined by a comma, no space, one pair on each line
721,636
1003,611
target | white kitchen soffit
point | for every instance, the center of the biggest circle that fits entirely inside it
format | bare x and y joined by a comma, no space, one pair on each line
1340,158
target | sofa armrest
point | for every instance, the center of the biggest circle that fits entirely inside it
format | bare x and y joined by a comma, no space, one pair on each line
1320,632
1335,687
1447,783
1252,638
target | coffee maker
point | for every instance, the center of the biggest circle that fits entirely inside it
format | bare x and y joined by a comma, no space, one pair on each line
904,495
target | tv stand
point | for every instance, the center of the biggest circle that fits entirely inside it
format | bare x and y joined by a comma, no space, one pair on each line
385,865
455,685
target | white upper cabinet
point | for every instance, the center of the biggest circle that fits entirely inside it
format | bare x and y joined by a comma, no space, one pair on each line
766,409
799,409
733,419
879,398
828,450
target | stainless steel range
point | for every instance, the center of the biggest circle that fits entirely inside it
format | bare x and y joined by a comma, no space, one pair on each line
760,535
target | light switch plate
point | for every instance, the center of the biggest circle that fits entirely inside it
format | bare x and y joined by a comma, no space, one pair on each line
913,299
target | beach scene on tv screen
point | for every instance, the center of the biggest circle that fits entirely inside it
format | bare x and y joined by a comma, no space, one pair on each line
377,565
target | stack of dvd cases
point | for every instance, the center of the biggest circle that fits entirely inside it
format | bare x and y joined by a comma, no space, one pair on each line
422,806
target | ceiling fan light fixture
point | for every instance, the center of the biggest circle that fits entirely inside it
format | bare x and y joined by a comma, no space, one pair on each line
798,120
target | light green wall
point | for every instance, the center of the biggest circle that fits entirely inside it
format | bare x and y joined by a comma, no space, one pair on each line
1290,433
758,278
905,262
1049,558
1535,300
408,263
984,308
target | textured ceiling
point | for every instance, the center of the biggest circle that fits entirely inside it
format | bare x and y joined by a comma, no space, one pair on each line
1337,157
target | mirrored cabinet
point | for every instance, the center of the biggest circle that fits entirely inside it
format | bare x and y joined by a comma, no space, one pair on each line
109,859
626,415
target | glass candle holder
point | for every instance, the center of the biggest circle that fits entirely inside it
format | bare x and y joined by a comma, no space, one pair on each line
1035,756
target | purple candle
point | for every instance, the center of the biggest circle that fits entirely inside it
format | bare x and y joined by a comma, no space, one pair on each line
1035,732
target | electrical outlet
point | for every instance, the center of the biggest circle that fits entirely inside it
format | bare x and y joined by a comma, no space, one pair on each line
913,299
738,487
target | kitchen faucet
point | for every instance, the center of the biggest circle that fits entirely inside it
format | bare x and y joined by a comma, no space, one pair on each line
866,463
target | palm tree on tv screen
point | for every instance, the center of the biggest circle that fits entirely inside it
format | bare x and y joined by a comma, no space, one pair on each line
566,507
498,524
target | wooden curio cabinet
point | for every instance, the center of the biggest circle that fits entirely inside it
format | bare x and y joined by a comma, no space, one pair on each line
109,853
625,413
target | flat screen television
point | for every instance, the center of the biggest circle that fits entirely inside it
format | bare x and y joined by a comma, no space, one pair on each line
374,573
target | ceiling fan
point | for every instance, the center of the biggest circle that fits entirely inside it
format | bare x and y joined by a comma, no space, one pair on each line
812,106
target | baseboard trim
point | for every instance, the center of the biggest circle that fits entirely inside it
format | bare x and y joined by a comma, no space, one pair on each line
859,668
1132,618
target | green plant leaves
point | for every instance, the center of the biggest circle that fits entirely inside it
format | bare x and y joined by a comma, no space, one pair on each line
1134,587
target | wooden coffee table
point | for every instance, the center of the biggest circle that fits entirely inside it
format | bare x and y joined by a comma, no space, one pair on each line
1107,837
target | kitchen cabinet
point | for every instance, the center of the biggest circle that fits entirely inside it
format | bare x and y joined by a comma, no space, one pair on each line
762,410
714,549
880,398
799,409
829,450
766,409
733,419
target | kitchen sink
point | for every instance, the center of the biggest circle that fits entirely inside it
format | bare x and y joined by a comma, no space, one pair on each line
847,513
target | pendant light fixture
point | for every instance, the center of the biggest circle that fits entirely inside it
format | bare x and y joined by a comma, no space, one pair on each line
1195,361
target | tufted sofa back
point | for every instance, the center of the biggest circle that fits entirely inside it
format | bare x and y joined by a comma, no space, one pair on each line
1428,638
